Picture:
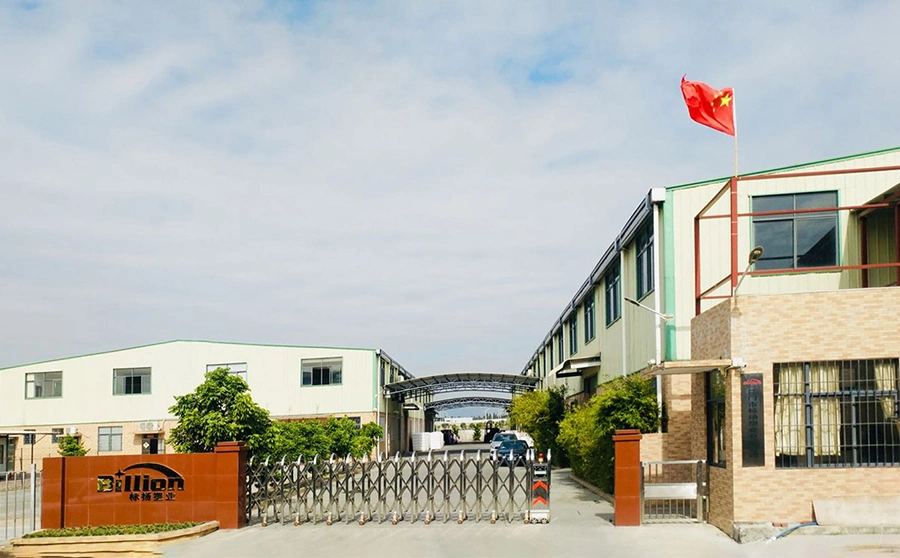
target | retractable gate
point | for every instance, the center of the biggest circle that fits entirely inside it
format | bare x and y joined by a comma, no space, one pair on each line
427,487
20,502
674,491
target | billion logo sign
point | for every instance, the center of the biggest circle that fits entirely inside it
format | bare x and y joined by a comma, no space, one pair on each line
146,482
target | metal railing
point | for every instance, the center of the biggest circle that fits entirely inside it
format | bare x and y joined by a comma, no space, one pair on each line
427,487
674,491
20,502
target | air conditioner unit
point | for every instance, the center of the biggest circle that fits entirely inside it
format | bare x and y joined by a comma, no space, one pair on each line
149,426
71,431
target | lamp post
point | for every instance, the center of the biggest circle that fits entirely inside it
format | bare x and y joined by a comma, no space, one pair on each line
755,255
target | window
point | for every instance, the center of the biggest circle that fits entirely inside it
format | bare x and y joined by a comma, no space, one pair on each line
321,371
644,247
109,438
131,381
40,385
28,439
560,343
573,334
234,368
796,240
589,328
544,364
715,417
381,376
550,350
57,434
836,413
613,288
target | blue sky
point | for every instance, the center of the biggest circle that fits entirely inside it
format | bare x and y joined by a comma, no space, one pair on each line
432,178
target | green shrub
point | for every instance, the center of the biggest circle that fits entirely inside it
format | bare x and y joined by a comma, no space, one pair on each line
110,530
586,433
309,438
539,413
70,446
476,432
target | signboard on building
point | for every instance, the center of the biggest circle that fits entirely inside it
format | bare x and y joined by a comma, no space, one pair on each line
753,444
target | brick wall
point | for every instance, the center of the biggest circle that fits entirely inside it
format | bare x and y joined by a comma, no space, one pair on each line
762,330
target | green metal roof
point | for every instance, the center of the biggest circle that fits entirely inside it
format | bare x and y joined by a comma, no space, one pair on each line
784,169
186,341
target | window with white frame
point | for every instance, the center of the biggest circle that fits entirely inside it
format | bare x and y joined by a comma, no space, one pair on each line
234,368
41,385
589,328
613,294
57,434
796,240
321,371
131,381
837,413
644,261
573,334
109,438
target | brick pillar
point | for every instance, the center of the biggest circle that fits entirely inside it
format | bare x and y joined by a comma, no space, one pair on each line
628,478
231,484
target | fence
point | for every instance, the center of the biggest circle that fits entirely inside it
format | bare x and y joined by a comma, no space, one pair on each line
428,487
20,502
674,491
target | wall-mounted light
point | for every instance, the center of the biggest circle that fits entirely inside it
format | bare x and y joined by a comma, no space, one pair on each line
665,317
755,255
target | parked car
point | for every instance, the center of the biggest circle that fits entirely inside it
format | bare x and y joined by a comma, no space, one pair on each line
524,437
501,437
511,452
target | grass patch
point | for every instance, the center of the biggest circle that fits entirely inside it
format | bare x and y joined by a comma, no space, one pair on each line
111,530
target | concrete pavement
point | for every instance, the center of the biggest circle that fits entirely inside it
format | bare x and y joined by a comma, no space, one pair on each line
580,526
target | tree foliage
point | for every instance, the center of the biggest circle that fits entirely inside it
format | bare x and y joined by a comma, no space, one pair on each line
219,410
476,432
71,446
539,413
309,438
587,432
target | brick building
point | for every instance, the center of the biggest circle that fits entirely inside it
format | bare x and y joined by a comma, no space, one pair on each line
778,366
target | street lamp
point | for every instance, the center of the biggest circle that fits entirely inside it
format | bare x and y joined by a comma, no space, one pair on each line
755,255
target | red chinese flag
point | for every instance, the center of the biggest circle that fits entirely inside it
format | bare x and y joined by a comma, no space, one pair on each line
708,106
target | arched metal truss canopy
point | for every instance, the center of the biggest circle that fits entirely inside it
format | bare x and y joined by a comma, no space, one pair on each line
458,402
461,381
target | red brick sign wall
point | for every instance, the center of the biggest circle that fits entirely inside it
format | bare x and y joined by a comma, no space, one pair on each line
142,489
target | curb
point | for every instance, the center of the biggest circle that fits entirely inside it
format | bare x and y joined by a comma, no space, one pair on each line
93,545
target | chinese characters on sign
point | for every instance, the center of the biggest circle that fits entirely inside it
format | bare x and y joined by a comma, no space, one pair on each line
753,433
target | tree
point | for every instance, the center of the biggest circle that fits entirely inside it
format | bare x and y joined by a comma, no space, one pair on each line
476,432
539,413
219,410
71,446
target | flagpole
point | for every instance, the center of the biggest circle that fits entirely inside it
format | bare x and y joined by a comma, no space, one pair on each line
734,119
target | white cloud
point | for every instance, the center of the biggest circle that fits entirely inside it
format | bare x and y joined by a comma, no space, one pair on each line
381,174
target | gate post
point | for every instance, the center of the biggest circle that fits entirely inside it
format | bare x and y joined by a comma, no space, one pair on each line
231,484
628,478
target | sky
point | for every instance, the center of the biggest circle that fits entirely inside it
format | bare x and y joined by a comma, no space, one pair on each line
435,179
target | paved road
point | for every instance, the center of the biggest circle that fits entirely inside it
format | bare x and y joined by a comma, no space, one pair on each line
580,526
